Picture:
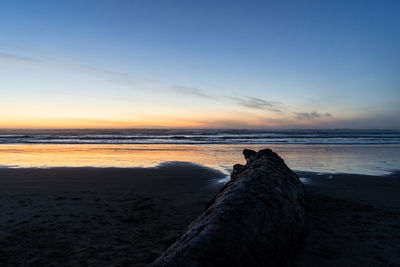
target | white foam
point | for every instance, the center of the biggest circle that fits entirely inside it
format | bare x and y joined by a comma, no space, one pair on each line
224,180
305,180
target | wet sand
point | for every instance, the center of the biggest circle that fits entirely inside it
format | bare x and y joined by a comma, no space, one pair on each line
98,217
352,220
128,216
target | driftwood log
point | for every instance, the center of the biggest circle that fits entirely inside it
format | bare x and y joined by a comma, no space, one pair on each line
257,219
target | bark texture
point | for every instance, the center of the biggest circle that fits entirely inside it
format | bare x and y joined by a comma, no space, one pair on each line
257,219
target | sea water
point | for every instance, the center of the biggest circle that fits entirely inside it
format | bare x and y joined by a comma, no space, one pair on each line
373,152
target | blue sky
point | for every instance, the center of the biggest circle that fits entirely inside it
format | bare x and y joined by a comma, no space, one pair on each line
286,64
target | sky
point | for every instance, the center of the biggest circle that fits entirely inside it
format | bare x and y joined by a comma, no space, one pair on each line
199,64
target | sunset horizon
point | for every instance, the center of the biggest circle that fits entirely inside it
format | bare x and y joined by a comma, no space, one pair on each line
143,65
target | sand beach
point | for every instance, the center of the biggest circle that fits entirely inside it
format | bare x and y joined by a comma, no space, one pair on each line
129,216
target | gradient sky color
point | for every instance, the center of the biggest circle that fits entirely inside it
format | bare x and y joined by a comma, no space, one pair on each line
219,64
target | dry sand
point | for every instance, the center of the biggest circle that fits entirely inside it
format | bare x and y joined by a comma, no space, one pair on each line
127,217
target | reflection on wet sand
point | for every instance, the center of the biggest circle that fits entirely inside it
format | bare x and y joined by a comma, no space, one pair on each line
362,159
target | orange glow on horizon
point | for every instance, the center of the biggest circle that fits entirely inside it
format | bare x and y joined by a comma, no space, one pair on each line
169,118
151,122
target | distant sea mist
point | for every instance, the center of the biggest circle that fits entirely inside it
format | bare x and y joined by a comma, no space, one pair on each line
197,136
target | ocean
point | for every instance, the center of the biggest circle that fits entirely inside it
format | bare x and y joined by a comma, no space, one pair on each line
199,136
371,152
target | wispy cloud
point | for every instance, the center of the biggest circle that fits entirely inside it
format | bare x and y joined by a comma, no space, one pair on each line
190,91
10,58
311,115
136,83
248,102
114,76
103,71
258,103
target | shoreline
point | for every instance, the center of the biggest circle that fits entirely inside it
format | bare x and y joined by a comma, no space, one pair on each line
129,216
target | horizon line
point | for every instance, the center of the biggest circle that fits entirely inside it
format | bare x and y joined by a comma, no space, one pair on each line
189,128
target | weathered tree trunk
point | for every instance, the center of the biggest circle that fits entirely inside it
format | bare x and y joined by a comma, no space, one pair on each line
256,219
